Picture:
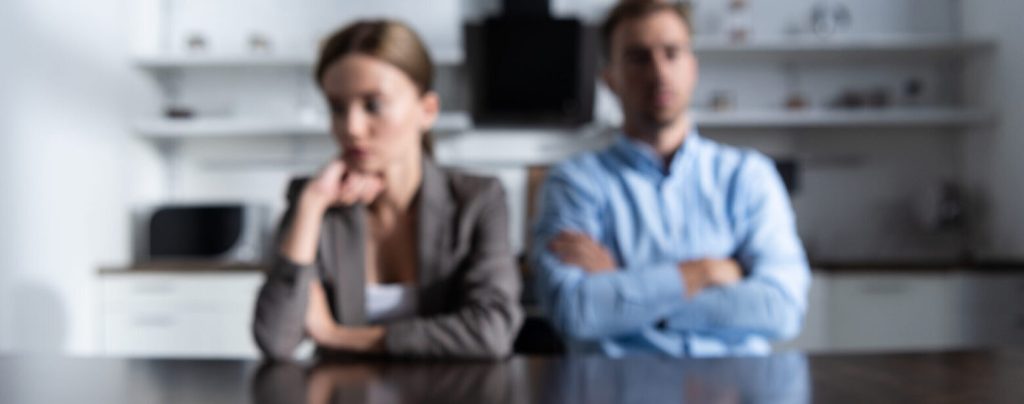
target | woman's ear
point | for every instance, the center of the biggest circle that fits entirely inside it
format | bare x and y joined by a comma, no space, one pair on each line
431,105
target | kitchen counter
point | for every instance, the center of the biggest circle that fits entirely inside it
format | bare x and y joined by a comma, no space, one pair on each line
918,265
182,266
951,377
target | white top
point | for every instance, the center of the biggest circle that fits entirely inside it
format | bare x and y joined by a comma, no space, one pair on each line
390,301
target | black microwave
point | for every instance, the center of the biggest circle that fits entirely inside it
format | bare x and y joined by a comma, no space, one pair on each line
234,233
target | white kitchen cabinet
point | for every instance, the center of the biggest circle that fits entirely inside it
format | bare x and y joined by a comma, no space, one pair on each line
814,333
896,311
179,314
995,302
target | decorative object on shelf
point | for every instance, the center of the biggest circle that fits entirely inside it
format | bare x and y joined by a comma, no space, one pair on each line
178,112
259,43
196,42
941,207
850,99
913,90
722,100
738,22
828,19
878,98
795,101
738,4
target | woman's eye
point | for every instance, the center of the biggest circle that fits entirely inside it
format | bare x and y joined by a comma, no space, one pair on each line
373,105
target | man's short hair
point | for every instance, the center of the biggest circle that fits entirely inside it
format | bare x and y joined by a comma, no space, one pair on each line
632,9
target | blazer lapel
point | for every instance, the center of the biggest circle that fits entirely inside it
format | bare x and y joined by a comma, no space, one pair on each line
349,238
434,233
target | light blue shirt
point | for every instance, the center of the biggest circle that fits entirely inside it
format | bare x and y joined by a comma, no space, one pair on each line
712,201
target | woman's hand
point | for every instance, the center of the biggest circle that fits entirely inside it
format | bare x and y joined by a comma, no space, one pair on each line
322,328
336,185
320,324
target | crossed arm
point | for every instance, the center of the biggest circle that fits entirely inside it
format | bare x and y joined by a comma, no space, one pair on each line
589,297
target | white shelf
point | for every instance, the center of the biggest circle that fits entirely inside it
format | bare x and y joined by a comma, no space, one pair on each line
202,60
222,61
162,128
773,119
902,46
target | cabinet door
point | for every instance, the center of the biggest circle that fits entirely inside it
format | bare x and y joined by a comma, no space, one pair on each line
179,314
895,311
814,332
995,306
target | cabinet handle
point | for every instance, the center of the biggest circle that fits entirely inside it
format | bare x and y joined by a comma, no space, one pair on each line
154,288
884,288
157,320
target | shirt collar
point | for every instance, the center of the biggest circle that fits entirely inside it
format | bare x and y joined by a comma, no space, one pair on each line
642,157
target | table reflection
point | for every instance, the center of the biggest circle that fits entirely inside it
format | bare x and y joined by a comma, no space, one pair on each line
775,379
767,380
390,382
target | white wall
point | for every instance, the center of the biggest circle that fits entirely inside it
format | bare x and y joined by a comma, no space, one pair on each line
66,160
994,154
70,167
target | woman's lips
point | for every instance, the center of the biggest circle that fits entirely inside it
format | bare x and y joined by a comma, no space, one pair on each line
355,153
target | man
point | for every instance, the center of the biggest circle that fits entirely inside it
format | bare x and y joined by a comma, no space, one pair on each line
666,242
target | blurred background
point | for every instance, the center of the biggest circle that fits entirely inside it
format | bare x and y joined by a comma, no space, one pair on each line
897,125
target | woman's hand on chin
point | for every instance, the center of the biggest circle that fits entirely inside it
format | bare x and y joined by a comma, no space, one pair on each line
336,185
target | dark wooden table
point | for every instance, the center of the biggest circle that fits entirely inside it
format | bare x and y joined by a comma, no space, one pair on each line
957,377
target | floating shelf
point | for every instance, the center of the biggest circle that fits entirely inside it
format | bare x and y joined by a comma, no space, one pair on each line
269,60
847,47
775,119
161,128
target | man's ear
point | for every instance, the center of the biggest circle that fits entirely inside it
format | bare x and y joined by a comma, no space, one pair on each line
609,80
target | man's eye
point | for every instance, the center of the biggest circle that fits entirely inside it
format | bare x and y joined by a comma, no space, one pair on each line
671,52
637,57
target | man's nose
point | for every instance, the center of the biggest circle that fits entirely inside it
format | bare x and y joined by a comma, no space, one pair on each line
661,66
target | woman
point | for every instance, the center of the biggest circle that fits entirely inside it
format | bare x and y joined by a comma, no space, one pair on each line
384,252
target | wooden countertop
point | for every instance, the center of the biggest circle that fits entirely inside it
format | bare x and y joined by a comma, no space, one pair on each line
181,266
791,378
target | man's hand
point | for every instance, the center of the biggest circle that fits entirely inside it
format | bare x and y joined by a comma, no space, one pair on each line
704,273
579,249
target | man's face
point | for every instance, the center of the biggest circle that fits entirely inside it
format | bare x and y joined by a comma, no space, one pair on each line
652,68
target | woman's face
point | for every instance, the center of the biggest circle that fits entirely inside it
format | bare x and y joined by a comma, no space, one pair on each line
378,116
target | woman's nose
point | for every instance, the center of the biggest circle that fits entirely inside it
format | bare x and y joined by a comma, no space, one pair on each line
353,124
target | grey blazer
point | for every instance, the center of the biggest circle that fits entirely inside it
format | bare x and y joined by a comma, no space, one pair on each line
467,280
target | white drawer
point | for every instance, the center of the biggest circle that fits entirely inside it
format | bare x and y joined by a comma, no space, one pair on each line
164,286
895,312
161,333
179,314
